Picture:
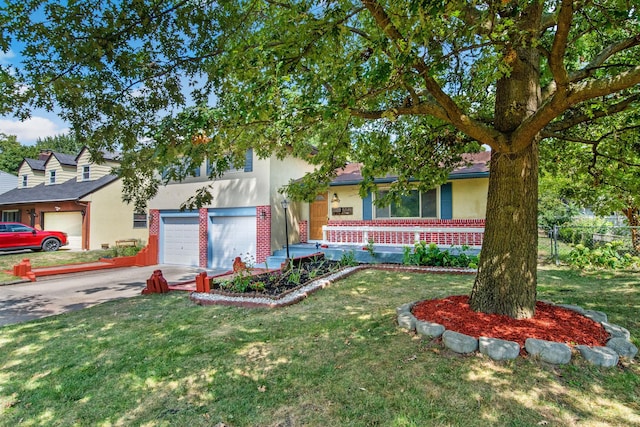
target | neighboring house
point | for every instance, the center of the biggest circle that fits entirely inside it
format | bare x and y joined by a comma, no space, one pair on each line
7,182
460,203
245,217
72,194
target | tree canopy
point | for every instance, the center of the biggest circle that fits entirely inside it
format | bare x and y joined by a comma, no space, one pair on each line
12,153
403,86
602,172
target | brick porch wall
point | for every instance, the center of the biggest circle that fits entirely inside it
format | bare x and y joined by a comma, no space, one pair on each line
303,228
263,233
395,238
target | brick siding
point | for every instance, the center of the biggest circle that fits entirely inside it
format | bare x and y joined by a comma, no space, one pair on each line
263,233
303,228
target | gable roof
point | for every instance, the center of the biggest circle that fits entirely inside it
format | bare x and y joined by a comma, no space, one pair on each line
106,155
68,190
351,173
64,159
34,164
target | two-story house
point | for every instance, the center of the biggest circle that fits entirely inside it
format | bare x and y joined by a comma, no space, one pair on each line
75,195
245,217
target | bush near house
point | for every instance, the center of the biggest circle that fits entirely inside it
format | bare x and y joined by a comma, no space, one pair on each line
430,254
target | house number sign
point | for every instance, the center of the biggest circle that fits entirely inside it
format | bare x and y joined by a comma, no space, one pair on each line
341,211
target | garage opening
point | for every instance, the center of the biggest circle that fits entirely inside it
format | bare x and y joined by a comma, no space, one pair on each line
68,222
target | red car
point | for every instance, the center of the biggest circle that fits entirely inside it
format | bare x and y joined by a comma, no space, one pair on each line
15,236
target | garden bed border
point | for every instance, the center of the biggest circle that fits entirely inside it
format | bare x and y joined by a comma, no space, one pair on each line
293,296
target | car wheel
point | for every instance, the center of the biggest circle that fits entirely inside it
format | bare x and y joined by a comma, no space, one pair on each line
50,245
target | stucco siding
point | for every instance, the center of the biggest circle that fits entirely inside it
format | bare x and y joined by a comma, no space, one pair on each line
233,189
111,219
470,198
349,198
281,172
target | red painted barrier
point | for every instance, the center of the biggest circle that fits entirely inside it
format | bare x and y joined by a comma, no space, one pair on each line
156,284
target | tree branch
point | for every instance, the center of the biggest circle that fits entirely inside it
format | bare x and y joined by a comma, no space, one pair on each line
452,113
587,90
559,47
599,59
576,94
582,118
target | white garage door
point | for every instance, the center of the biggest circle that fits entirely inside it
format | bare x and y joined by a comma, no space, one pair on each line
231,237
69,222
180,241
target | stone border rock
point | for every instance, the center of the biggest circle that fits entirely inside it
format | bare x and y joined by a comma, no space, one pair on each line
618,346
297,295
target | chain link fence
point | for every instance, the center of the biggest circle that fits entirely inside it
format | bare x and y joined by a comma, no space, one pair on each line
625,241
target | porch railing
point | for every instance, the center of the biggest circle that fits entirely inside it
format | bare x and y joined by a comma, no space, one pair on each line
403,236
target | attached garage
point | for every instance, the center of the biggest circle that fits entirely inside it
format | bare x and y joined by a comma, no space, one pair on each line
230,237
68,222
179,240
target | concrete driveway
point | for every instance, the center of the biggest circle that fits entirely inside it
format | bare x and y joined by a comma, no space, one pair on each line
59,294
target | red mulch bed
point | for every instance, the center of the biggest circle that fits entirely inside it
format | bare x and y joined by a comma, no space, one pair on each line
550,323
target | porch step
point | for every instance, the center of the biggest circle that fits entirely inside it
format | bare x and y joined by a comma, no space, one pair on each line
336,252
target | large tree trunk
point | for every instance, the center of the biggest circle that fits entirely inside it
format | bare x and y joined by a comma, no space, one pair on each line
633,216
506,280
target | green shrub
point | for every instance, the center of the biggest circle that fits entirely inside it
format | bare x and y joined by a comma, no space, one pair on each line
604,256
581,231
431,255
120,251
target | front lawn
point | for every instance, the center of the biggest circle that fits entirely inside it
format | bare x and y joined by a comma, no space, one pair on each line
46,259
335,359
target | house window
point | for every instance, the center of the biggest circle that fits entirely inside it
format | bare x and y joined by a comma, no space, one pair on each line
247,167
11,216
417,204
52,177
86,173
140,220
25,181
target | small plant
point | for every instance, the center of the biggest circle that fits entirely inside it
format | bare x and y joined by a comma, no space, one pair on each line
295,275
242,277
370,247
257,286
348,259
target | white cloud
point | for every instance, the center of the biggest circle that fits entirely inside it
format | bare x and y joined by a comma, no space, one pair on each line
6,57
28,131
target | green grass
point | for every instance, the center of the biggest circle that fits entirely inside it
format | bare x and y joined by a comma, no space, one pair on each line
335,359
46,259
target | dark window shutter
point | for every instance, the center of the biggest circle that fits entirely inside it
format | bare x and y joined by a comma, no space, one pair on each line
367,207
446,201
248,161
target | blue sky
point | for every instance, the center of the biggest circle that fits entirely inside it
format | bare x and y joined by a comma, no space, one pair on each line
40,125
